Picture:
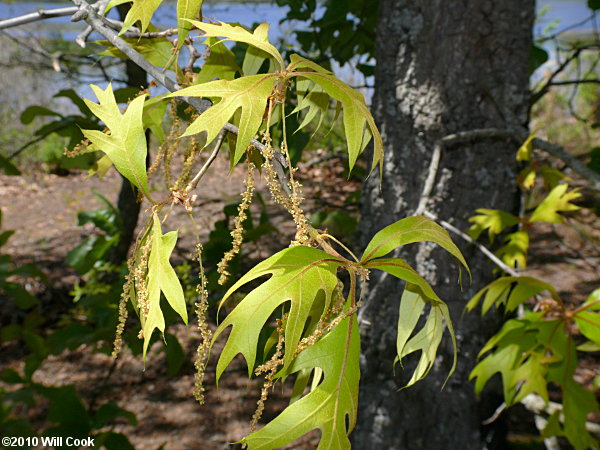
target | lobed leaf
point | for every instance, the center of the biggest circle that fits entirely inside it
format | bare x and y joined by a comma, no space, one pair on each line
510,292
558,200
140,11
299,276
259,38
514,252
126,143
359,125
494,221
220,64
186,9
249,94
331,406
407,231
161,277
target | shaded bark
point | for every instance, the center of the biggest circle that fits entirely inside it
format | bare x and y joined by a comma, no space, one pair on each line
442,67
127,204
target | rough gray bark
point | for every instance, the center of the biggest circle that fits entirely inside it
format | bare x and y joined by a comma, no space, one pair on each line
442,67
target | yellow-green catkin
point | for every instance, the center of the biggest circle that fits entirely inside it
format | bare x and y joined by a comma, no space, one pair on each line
270,368
169,146
139,278
188,163
118,343
238,231
292,203
205,333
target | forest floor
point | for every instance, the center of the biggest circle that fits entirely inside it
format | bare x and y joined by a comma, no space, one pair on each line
43,209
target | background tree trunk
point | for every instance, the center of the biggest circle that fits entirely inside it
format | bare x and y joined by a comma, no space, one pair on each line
442,67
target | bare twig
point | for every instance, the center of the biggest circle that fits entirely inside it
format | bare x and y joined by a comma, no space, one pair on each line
431,174
192,184
512,272
519,136
40,14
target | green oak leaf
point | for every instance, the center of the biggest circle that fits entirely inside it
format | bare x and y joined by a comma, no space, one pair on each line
313,97
157,51
558,200
186,9
259,38
331,404
407,231
141,10
161,277
126,143
428,339
510,292
589,325
300,277
493,220
514,251
248,93
414,299
221,63
359,125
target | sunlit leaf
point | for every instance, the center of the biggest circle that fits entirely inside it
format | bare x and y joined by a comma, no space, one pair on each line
589,325
510,292
220,64
426,340
558,200
248,93
140,11
259,38
126,143
186,9
514,251
331,405
298,274
357,117
407,231
524,152
494,221
161,278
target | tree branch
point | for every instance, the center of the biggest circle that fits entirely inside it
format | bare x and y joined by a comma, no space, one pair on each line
40,14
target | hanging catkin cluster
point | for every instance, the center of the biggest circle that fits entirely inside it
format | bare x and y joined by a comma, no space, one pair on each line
238,231
270,368
205,333
118,343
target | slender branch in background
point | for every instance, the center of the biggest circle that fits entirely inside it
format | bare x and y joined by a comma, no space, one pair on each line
535,96
519,136
431,174
509,270
220,138
40,14
26,145
567,82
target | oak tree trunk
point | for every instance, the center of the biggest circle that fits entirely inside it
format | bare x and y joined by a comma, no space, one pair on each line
442,67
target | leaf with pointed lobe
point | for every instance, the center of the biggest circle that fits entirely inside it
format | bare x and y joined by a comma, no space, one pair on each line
126,143
558,200
249,94
161,277
299,276
357,117
259,38
407,231
186,9
331,406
